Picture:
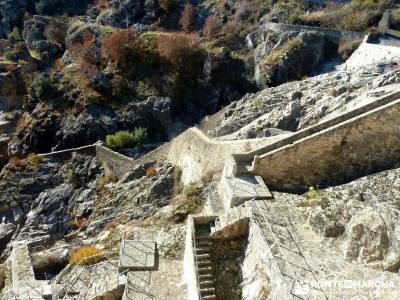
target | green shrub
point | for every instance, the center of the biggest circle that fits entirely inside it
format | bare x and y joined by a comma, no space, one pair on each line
72,178
119,140
125,139
139,136
42,87
15,34
10,56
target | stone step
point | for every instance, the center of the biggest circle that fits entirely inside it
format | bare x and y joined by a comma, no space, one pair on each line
206,276
204,283
203,256
203,237
208,297
202,250
204,270
243,169
207,291
203,263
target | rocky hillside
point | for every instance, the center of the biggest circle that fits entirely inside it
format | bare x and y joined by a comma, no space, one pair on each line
132,75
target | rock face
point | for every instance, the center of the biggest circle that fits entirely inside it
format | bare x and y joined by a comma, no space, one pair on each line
295,64
296,105
12,90
360,219
11,13
123,13
37,201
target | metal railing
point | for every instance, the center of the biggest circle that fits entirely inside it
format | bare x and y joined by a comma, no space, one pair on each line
195,259
94,273
236,185
146,253
235,210
277,244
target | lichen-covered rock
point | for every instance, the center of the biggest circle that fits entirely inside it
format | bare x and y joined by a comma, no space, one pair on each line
367,238
123,13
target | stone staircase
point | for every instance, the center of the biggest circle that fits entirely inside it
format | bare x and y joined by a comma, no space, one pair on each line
203,261
232,220
236,186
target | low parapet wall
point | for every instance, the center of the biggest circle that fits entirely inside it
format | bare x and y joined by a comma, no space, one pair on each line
120,164
333,33
200,157
67,153
367,143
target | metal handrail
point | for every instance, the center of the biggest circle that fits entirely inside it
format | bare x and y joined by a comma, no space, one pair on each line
230,212
277,243
195,259
234,186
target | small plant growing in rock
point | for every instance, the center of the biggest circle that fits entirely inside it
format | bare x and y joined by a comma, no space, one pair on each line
151,172
72,178
34,159
80,223
86,256
312,197
108,178
178,186
167,5
16,164
15,34
42,87
187,18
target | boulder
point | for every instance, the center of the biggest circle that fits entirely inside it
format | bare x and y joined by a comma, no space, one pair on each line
367,238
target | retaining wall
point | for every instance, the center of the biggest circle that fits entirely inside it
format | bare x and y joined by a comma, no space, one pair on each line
367,143
309,131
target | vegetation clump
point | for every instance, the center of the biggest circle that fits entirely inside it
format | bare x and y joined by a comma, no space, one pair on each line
42,87
125,139
278,56
85,256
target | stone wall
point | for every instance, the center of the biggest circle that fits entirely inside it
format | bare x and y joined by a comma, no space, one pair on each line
365,144
67,154
309,131
200,157
120,164
332,33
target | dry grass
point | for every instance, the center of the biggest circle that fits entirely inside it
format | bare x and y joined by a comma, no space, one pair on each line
87,255
80,223
277,57
151,172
